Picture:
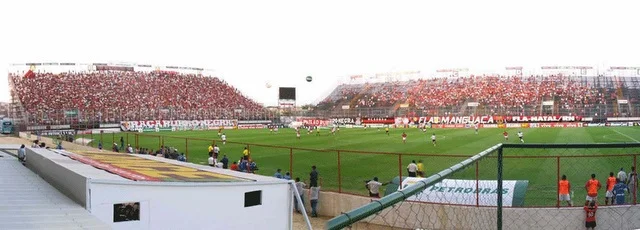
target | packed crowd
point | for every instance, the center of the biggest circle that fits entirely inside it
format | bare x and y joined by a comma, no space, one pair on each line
491,91
128,94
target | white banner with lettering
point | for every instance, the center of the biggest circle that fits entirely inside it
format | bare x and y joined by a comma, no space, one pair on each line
463,192
178,124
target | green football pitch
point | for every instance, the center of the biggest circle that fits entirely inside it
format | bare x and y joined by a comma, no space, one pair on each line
369,153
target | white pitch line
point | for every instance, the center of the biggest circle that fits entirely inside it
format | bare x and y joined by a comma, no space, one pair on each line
626,136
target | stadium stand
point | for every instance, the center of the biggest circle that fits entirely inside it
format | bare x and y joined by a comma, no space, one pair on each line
111,96
497,95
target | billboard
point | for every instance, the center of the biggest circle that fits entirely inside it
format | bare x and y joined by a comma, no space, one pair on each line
287,93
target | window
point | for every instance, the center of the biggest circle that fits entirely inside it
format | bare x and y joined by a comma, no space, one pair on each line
126,212
253,198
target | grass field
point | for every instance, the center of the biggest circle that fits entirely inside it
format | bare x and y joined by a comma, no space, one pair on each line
454,145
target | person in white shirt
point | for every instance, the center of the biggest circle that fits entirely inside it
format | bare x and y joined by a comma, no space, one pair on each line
622,176
300,187
374,187
433,139
520,135
314,194
224,139
476,127
130,149
412,169
212,162
216,151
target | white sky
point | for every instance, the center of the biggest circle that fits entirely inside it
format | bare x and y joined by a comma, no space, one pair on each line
252,42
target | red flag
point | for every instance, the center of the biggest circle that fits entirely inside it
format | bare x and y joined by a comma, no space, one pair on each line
29,74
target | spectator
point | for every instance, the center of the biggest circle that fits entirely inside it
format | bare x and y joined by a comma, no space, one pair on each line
243,167
234,166
22,154
225,162
59,146
287,176
622,175
313,177
618,191
300,187
590,209
210,150
115,147
253,166
211,161
130,149
245,152
374,187
98,93
216,151
182,157
611,182
278,174
412,168
100,145
632,183
592,186
563,191
314,195
35,144
420,168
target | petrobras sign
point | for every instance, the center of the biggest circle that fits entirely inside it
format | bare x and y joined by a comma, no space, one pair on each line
178,124
463,192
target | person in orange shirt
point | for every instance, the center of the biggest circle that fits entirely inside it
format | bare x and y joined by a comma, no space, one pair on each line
592,187
564,188
611,181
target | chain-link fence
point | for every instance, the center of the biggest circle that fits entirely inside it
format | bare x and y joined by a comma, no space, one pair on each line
513,187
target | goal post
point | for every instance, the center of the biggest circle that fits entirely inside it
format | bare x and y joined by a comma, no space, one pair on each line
510,186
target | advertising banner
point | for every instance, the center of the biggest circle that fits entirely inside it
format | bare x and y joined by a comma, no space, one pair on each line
140,126
313,121
346,121
370,120
489,119
464,192
252,126
57,132
254,122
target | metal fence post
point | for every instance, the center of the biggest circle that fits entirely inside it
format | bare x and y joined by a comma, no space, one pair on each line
291,162
186,147
159,142
477,185
127,139
499,198
635,189
400,168
558,181
339,174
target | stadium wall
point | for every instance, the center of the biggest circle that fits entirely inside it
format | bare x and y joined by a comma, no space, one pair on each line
68,182
468,217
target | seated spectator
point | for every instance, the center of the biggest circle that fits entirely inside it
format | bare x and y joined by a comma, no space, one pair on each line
234,166
212,161
182,157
